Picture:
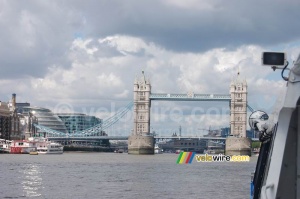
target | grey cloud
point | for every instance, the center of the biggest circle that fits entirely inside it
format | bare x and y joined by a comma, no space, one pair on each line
38,34
34,35
227,25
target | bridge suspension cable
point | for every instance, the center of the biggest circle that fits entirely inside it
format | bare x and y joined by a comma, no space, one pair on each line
48,130
250,108
106,123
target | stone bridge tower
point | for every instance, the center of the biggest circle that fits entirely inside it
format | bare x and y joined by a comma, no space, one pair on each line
141,142
238,143
238,107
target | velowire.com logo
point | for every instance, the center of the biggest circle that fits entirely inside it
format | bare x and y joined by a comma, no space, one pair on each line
187,158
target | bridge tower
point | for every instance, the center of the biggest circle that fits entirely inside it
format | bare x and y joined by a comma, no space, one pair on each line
140,141
238,143
238,107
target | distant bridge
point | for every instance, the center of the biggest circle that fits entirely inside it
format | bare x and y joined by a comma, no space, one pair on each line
90,138
126,138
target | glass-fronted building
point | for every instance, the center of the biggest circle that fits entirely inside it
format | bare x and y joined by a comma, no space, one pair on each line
45,118
75,122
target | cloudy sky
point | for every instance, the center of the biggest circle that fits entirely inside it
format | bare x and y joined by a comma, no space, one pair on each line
83,56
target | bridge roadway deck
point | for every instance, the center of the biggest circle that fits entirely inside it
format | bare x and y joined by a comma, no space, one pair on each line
190,97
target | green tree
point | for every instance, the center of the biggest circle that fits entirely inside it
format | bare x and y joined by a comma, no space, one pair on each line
256,144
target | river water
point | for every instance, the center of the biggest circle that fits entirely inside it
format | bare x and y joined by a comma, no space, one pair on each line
111,175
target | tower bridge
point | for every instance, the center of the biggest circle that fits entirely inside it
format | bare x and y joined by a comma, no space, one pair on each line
142,142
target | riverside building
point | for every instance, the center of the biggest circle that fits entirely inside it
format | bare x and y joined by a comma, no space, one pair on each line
44,117
5,121
75,122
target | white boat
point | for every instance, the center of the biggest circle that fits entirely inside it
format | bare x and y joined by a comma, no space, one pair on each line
119,151
255,153
209,151
48,147
4,146
157,150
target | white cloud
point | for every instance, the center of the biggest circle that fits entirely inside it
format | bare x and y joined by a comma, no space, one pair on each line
109,80
124,44
80,43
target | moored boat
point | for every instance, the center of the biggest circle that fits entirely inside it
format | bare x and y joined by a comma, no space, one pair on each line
22,146
35,145
178,151
157,150
119,151
48,147
254,153
33,153
4,146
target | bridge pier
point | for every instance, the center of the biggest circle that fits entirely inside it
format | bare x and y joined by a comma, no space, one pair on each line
238,146
139,144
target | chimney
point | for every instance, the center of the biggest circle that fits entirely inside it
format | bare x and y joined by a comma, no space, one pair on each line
13,100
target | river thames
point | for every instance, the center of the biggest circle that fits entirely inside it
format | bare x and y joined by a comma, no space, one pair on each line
111,175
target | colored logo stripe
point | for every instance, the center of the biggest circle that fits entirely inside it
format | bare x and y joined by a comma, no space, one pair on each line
190,158
185,157
179,157
182,157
